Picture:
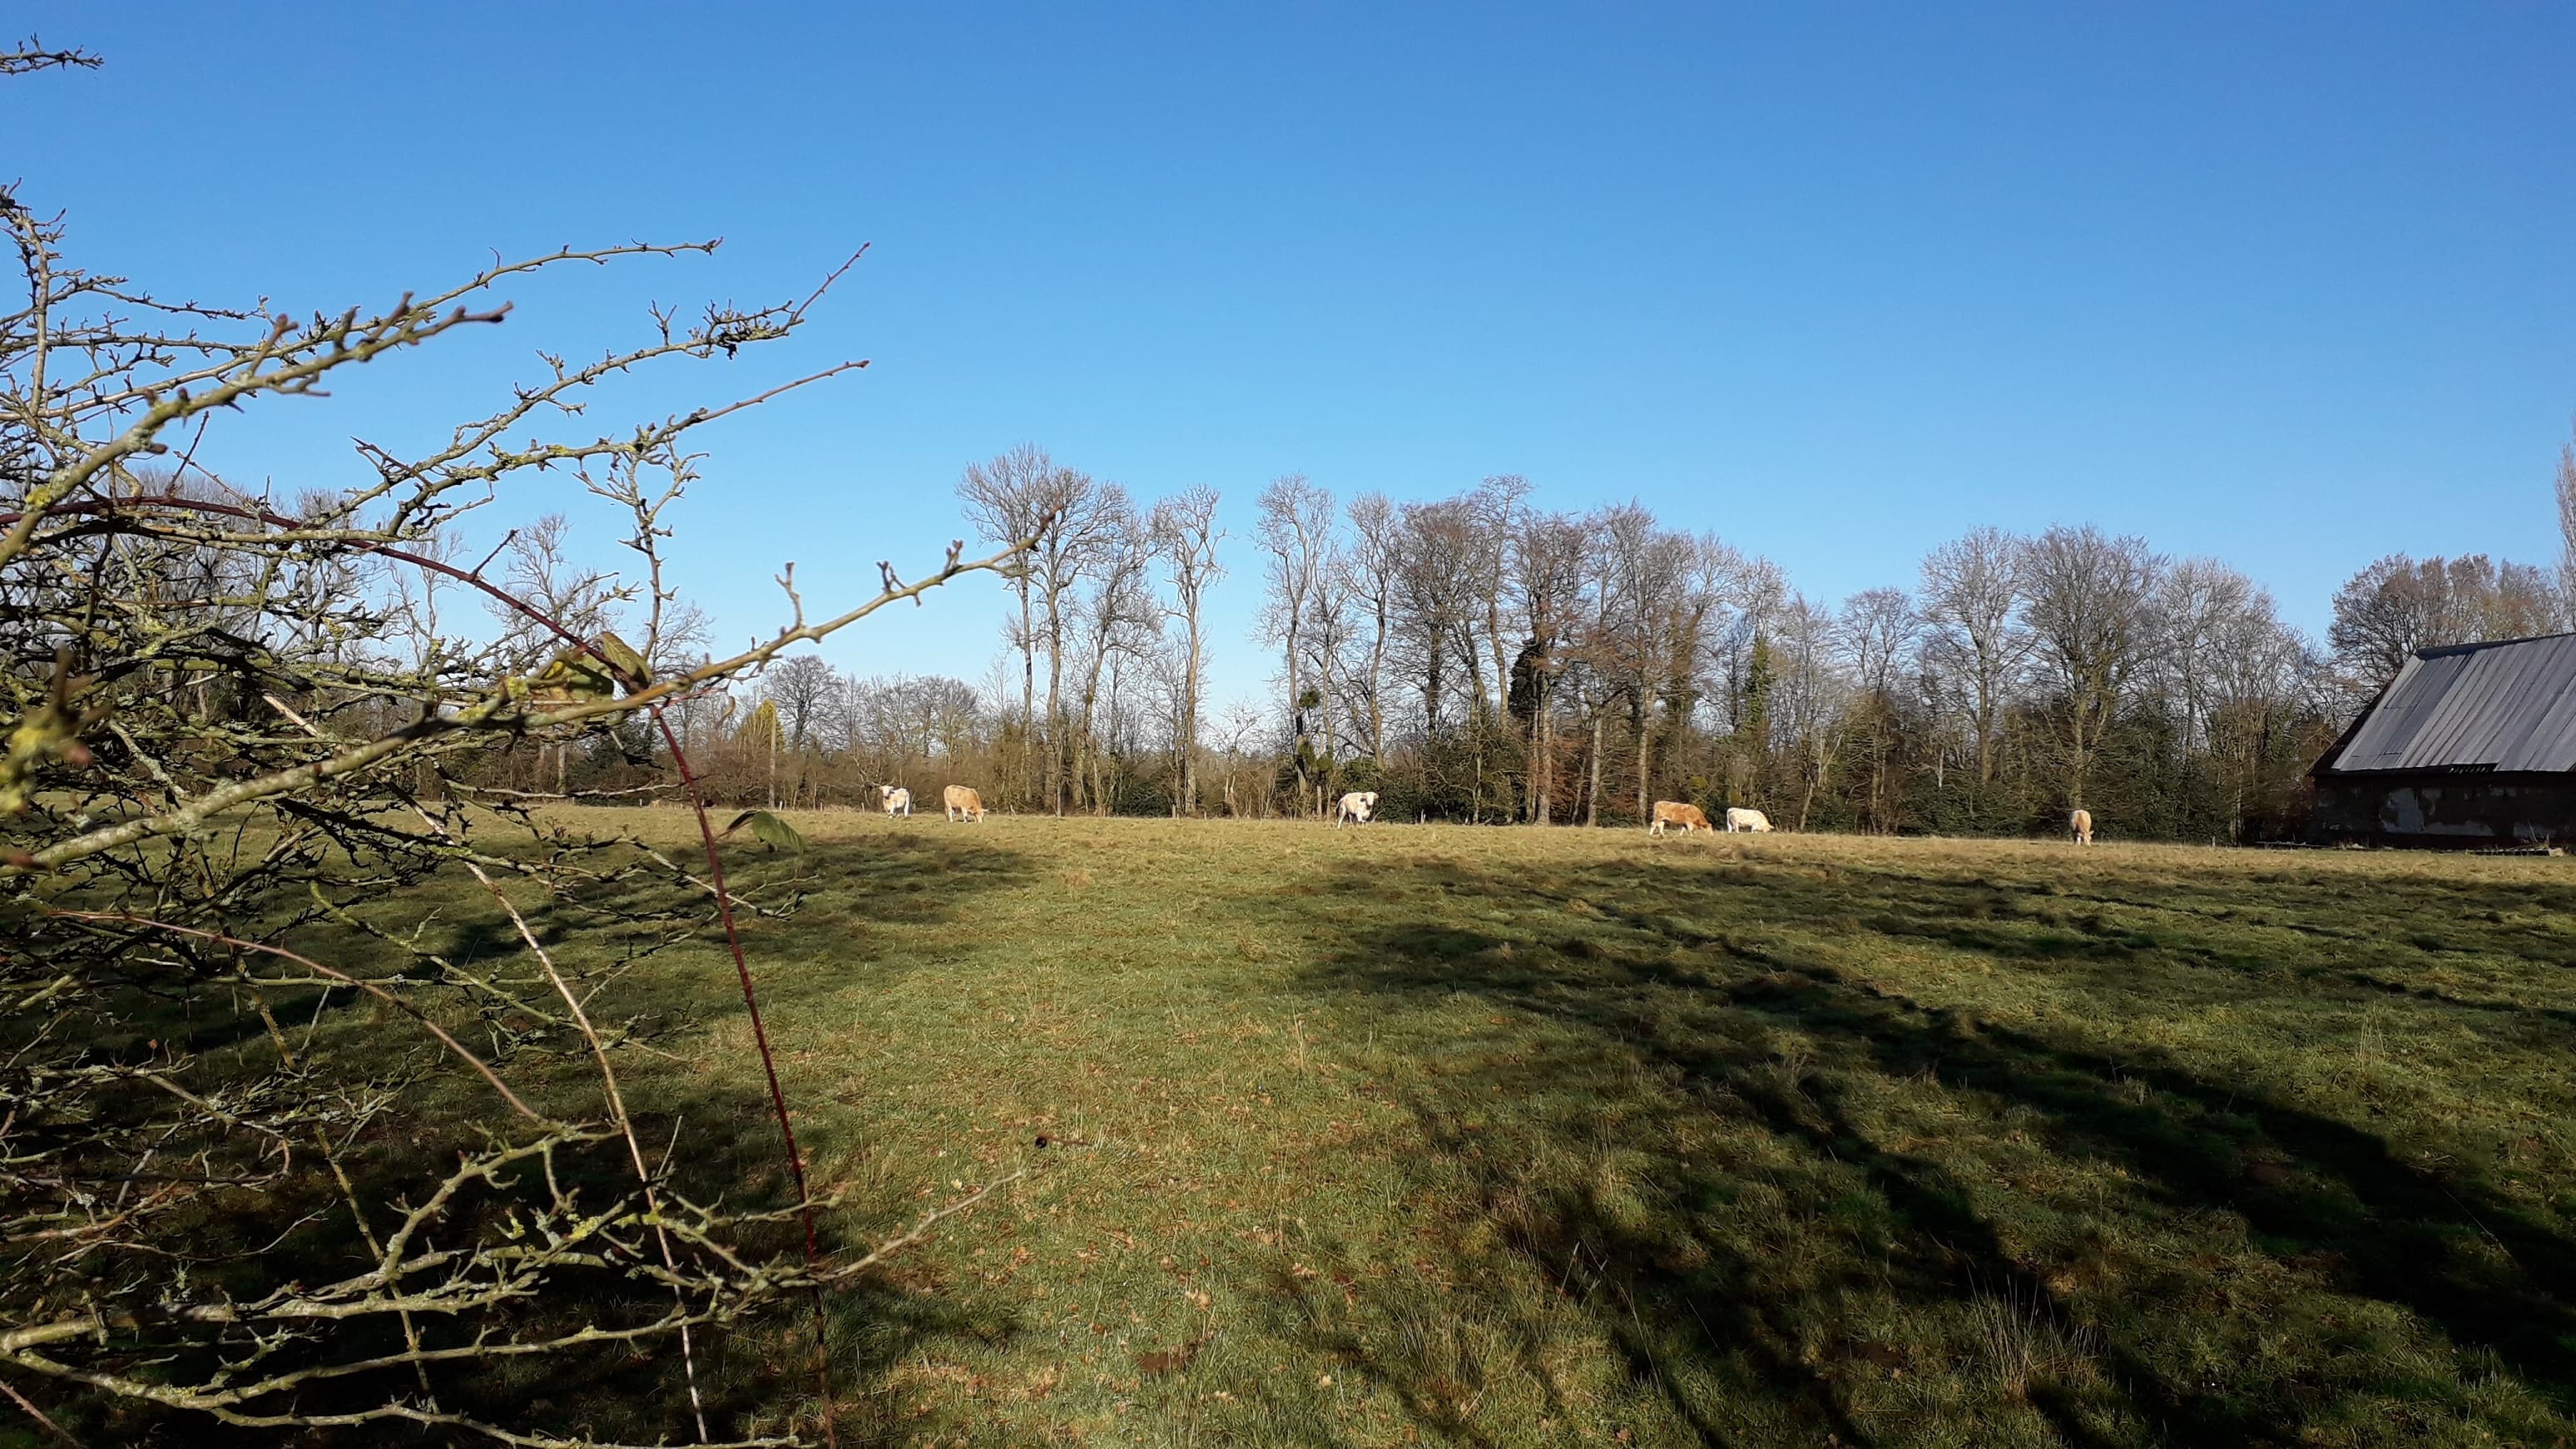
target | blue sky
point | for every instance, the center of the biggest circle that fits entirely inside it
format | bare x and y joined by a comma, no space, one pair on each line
2291,285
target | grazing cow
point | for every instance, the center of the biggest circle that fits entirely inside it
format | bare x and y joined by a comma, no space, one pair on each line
963,804
1739,818
896,799
1675,812
2079,823
1356,807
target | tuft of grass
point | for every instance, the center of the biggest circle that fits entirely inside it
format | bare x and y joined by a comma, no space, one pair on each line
1520,1137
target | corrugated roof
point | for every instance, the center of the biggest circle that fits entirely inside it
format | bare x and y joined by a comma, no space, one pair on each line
2508,705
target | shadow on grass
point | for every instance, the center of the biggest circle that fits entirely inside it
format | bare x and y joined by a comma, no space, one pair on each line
715,1121
1780,1189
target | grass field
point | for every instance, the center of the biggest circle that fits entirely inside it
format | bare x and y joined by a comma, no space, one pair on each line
1510,1137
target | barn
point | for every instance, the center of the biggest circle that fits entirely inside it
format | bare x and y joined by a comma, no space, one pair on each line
2471,745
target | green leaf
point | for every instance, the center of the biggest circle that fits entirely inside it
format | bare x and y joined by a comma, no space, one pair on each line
771,831
576,675
44,736
622,655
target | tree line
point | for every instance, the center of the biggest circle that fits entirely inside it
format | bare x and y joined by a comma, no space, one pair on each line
1482,657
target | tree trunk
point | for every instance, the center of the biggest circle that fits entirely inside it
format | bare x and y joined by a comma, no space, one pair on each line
1055,781
1296,721
1543,768
1028,697
1324,751
1645,758
1377,687
1189,802
1592,795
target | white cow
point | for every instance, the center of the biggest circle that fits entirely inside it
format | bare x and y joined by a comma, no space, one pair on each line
1739,818
2079,823
1356,807
896,799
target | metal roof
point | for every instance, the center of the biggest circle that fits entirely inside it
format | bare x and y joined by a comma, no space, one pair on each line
2503,706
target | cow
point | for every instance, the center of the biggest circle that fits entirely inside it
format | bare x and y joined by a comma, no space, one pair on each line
2079,823
1675,812
896,800
1739,818
1355,807
963,803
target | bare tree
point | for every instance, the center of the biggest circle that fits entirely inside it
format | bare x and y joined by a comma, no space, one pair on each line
2089,600
2200,600
2567,534
2386,612
1008,498
1971,605
540,572
1814,696
1548,576
1329,634
2396,606
1439,599
1497,504
801,685
1369,565
1876,631
365,1226
1119,619
1185,536
2254,671
799,689
1295,531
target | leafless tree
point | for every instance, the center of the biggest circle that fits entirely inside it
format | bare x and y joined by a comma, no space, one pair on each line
1814,693
2088,599
1548,575
1369,566
2397,605
1971,606
1330,632
1876,632
801,688
366,1221
1119,619
1497,504
1295,533
2254,672
2567,534
2200,602
1185,537
1438,602
1008,498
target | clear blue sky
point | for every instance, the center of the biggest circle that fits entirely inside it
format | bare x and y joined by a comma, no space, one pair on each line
2292,285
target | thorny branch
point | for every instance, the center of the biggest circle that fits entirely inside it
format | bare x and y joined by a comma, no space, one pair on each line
239,1180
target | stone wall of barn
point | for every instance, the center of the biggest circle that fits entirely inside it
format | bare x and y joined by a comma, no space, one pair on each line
2458,811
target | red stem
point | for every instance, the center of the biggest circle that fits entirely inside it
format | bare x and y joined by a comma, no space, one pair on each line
768,1063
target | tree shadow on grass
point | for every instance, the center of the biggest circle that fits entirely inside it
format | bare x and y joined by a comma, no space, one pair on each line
1786,1186
717,1127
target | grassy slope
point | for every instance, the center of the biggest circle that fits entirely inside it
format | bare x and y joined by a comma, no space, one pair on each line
1521,1137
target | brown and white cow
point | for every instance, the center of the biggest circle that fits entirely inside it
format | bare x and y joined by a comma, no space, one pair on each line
1355,807
896,799
2079,823
1675,812
963,803
1739,818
